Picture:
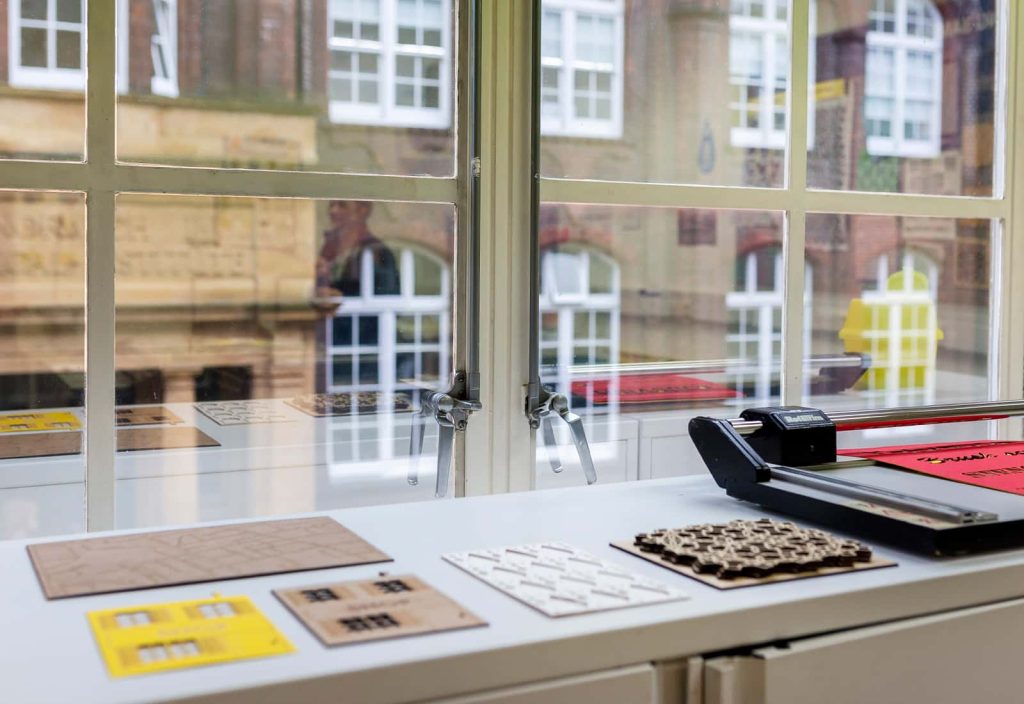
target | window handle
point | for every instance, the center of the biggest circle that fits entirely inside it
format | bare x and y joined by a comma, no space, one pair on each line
452,416
551,404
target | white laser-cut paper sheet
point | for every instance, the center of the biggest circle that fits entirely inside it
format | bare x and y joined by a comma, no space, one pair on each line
560,580
243,412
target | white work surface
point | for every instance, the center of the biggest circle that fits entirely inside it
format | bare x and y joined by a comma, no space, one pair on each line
48,654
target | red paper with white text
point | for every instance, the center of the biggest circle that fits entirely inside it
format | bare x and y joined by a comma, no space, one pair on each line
988,464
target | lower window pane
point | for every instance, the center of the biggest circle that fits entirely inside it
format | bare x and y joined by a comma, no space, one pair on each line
42,363
899,316
682,304
284,374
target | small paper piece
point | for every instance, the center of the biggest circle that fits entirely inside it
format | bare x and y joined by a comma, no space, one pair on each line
191,555
139,640
343,404
168,438
560,580
988,464
243,412
146,415
743,553
375,609
28,422
40,445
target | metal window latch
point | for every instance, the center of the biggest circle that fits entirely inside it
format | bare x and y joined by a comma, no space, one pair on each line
551,404
452,415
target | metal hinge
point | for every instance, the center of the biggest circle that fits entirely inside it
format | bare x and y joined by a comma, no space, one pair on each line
541,407
451,410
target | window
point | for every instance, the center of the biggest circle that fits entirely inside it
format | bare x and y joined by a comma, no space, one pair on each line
48,44
758,67
758,73
903,79
389,62
392,339
581,68
579,314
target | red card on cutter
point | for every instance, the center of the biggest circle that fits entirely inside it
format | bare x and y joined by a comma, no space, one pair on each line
988,464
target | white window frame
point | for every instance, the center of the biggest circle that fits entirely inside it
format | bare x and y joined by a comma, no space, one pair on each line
901,43
387,48
387,309
567,124
770,29
582,300
51,77
74,79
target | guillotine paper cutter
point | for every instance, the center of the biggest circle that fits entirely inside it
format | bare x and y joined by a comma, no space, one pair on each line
784,459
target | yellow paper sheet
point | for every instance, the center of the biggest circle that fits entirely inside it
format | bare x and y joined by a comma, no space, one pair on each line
139,640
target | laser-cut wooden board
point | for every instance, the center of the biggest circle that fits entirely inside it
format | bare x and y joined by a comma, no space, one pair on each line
375,609
138,640
191,555
40,445
717,583
560,580
243,412
354,403
146,415
30,422
165,438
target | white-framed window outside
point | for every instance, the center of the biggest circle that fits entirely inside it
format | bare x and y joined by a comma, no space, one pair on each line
903,79
582,47
755,334
47,43
392,343
579,308
390,62
758,73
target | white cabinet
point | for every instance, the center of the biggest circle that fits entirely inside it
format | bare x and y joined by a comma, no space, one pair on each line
627,685
968,655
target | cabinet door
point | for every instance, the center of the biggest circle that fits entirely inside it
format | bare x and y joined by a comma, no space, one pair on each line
969,655
628,685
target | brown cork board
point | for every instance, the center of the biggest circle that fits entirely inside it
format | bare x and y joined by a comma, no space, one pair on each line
375,609
169,438
146,415
40,445
718,583
193,555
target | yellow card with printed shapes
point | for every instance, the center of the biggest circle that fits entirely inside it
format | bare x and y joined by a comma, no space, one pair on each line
140,640
27,422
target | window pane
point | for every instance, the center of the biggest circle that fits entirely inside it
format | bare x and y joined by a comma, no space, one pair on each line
305,86
696,292
703,100
233,312
69,49
42,363
905,322
69,10
33,48
904,97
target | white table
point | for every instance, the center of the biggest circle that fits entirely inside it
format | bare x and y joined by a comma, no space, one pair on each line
48,654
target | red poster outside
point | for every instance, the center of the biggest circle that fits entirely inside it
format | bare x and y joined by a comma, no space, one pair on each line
993,465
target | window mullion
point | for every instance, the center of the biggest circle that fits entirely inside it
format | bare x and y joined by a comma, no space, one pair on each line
796,183
100,445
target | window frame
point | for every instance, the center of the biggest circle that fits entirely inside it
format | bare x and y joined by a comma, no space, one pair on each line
387,49
567,124
75,79
50,77
901,44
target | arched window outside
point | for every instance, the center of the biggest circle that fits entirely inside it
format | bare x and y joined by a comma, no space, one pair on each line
755,310
903,79
902,329
392,343
579,308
